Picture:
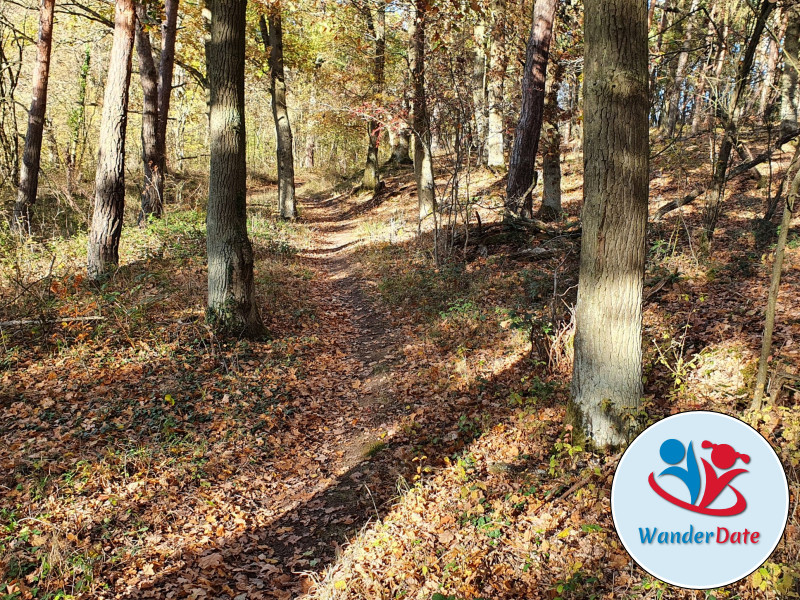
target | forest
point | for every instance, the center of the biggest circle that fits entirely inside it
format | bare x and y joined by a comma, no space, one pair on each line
366,298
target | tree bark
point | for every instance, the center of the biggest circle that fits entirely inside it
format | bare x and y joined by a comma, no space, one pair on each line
423,159
479,92
551,150
109,202
498,63
287,205
153,185
231,289
766,95
31,157
607,375
377,27
789,80
166,69
522,168
714,201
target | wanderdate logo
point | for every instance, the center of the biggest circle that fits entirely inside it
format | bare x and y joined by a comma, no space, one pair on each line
700,500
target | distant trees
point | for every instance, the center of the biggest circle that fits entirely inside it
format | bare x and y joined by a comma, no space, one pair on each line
272,34
607,375
31,157
109,204
231,287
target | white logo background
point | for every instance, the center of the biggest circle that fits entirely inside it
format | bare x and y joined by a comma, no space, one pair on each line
635,505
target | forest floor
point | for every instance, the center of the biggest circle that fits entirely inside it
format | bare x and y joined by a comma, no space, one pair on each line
400,435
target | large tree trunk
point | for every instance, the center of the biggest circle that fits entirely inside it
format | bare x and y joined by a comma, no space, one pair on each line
31,157
377,27
109,199
287,205
715,197
423,159
680,71
789,81
607,376
498,62
522,168
153,176
231,289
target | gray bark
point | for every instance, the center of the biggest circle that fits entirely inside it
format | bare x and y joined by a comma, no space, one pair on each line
287,203
109,200
551,151
607,376
680,71
153,184
377,27
423,159
521,170
498,62
31,157
231,288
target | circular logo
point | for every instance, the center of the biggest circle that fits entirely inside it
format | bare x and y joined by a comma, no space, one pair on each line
700,500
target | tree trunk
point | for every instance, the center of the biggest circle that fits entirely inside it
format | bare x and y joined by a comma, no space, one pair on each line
109,199
766,95
76,121
156,91
166,68
498,62
775,283
551,150
789,80
607,375
479,91
377,27
153,177
287,206
231,290
401,143
423,159
714,200
31,157
680,71
526,137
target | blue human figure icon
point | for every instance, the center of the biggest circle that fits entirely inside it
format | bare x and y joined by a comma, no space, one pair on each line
672,453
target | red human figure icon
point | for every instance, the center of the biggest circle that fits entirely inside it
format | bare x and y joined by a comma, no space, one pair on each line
724,457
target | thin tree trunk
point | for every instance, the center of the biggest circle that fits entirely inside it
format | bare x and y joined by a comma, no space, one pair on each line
551,150
231,288
522,168
153,176
109,200
423,159
377,27
789,81
31,157
156,90
76,121
775,284
607,375
479,92
166,69
680,71
766,94
714,202
498,63
287,205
